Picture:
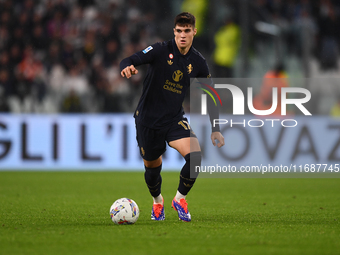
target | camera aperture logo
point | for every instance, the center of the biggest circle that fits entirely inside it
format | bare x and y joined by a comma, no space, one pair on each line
239,103
209,93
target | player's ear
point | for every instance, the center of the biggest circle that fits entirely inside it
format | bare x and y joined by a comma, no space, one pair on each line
195,31
174,31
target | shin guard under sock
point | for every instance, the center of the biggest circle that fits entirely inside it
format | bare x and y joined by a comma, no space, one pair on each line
188,175
153,180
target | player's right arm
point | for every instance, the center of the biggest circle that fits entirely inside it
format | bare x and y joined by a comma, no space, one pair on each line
146,56
129,71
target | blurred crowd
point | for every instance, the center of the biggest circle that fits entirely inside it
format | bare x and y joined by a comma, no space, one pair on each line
63,55
317,20
308,31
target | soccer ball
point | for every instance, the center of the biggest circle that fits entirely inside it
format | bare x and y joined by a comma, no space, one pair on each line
124,211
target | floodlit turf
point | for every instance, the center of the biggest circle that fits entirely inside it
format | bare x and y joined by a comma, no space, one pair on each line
68,213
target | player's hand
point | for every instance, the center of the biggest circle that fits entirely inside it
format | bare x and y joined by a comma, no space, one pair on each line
219,137
129,71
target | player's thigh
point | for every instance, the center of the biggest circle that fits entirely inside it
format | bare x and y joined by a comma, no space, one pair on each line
182,138
185,145
151,144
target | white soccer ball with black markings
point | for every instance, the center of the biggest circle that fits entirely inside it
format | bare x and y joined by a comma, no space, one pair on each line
124,211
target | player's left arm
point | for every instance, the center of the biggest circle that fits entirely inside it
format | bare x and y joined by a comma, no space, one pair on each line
213,111
219,137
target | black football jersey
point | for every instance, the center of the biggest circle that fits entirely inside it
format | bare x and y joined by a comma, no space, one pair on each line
166,82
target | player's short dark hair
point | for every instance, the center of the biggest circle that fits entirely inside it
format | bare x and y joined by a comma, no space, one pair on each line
185,18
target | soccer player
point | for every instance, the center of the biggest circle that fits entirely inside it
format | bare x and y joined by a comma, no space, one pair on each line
159,114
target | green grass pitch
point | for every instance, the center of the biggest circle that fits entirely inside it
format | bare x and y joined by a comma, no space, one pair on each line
68,213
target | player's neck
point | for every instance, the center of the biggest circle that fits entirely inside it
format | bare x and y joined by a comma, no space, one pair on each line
184,51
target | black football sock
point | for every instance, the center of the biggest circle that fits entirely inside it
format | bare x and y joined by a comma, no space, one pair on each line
153,180
188,175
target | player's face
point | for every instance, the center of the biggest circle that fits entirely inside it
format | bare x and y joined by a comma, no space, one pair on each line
184,35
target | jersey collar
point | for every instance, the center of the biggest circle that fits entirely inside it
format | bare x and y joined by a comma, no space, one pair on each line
176,50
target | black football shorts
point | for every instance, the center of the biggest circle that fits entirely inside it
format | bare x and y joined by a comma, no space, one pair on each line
152,142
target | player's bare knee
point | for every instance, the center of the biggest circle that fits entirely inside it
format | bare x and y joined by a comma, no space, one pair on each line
153,163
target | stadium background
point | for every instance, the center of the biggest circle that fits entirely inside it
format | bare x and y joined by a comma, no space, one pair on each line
64,105
65,108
